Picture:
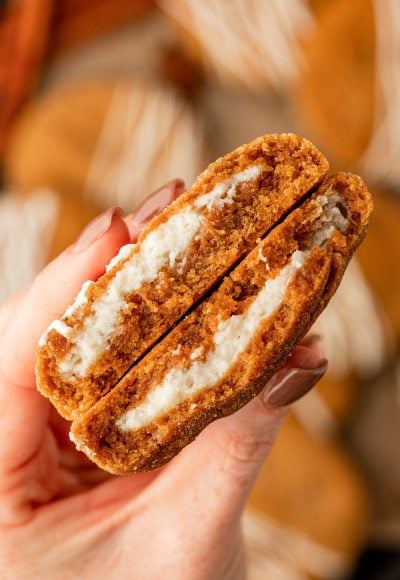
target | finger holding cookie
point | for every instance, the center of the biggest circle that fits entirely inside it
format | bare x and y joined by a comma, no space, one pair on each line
212,297
22,319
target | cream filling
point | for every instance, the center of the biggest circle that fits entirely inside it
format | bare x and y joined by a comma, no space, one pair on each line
80,300
57,325
331,218
165,246
224,192
159,248
231,339
233,335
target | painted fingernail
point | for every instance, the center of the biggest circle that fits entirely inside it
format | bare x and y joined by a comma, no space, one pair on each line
156,202
306,355
290,384
96,229
311,339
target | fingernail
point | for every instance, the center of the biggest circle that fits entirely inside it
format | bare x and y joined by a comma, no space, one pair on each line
311,339
290,384
96,229
306,355
156,202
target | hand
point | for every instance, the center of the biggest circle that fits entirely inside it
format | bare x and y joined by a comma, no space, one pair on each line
60,515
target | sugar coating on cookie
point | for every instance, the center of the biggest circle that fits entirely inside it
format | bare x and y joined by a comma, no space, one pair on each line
180,255
164,246
233,342
230,340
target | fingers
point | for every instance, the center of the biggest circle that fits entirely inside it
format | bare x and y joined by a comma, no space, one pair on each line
54,289
110,493
153,205
225,459
301,372
9,308
58,284
24,413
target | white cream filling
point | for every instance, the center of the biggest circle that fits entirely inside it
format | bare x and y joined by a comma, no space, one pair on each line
80,300
217,196
159,248
233,335
263,259
331,218
230,340
60,327
122,254
196,353
163,246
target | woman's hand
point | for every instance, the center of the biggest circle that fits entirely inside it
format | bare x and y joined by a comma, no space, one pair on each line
60,515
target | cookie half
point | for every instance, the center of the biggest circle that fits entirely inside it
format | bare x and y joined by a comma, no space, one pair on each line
224,352
179,257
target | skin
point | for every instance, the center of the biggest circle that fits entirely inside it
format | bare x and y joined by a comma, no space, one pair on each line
61,516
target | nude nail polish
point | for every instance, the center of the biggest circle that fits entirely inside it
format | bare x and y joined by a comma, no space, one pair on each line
290,384
96,229
156,202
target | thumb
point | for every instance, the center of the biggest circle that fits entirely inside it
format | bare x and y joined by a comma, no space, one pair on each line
225,459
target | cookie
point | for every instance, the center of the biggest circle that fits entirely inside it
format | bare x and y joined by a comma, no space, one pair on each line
178,258
360,330
224,352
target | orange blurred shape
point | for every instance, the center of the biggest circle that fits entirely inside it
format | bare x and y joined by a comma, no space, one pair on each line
24,27
76,21
34,30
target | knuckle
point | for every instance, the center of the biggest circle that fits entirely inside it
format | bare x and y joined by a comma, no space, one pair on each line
243,455
8,307
244,444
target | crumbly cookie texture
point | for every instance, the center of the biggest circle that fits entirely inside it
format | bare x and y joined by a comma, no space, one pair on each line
224,352
180,256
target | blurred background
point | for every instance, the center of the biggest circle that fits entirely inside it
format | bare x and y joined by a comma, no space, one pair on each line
103,101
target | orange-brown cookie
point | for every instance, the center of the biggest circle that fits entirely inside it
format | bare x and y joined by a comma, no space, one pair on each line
181,254
224,352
